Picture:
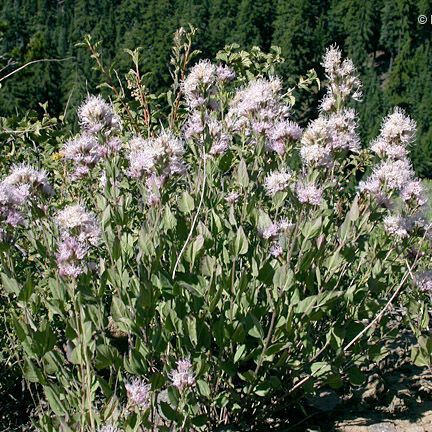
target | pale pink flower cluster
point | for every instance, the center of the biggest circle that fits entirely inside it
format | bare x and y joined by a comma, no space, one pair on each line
219,137
195,125
155,160
343,81
283,132
328,135
394,173
183,376
96,115
108,428
309,193
225,74
200,85
423,280
12,199
79,229
277,181
138,393
396,225
26,175
393,177
397,133
232,197
201,124
20,187
84,152
277,233
259,109
269,232
87,149
276,250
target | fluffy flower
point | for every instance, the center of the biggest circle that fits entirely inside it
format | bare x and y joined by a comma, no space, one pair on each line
161,155
199,83
342,77
423,280
413,192
84,152
232,198
220,139
281,133
12,199
138,393
327,135
36,180
108,428
385,149
70,256
309,193
276,250
389,175
342,126
195,125
396,225
269,232
277,181
398,128
256,107
316,155
95,114
182,376
75,220
224,73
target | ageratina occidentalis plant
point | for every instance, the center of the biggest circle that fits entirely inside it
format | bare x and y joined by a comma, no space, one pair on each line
214,266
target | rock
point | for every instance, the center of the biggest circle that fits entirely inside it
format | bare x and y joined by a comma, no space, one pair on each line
382,427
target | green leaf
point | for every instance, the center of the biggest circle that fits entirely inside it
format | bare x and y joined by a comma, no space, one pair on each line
239,353
320,368
106,356
242,174
186,203
241,243
356,376
54,401
204,388
10,284
283,277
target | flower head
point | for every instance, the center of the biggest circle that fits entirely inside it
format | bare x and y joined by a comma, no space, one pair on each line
232,197
36,180
224,73
275,250
108,428
199,84
397,226
398,128
84,152
342,79
423,280
138,393
271,231
95,114
277,181
309,193
75,220
182,376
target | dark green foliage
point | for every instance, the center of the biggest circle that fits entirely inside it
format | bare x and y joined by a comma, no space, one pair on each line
383,37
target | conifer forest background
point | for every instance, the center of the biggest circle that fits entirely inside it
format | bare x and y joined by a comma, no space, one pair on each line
383,37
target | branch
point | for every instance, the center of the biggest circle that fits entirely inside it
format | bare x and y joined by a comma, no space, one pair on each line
33,62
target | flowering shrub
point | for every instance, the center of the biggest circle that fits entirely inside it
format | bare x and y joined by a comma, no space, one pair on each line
215,267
